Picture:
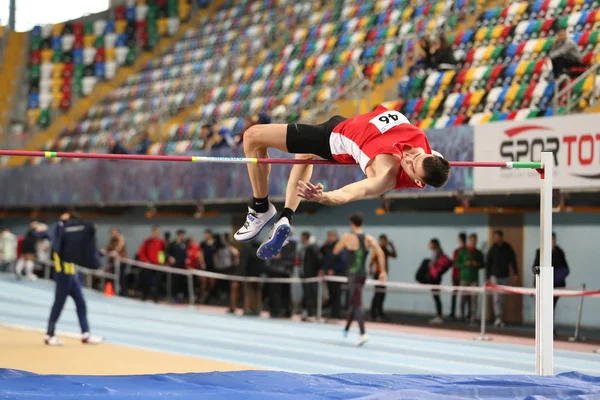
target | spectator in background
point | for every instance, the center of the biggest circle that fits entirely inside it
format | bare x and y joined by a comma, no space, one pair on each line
425,59
311,268
152,251
379,296
116,249
115,146
8,249
559,262
565,53
462,244
469,261
195,259
167,238
227,261
438,265
333,265
209,248
501,259
252,266
144,144
176,257
28,250
443,56
280,294
216,136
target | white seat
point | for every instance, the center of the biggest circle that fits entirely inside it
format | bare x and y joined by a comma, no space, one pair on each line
45,99
522,114
442,122
121,54
46,70
46,31
99,27
67,42
450,102
288,81
476,119
88,84
172,26
140,12
110,69
110,39
89,53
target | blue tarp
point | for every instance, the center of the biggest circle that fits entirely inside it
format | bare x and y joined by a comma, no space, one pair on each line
271,385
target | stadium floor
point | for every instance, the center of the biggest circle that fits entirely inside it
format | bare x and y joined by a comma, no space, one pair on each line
234,342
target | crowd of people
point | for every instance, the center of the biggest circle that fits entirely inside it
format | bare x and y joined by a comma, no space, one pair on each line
303,258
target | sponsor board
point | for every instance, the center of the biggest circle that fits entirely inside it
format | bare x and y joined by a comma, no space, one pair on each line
573,140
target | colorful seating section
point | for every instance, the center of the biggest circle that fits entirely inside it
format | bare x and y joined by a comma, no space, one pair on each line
185,73
68,59
257,55
312,65
505,73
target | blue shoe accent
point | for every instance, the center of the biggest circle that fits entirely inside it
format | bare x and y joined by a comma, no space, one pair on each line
272,247
261,229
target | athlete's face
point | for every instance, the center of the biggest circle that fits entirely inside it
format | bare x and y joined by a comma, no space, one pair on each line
412,163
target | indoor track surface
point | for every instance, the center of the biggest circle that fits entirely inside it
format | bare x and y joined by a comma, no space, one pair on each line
235,342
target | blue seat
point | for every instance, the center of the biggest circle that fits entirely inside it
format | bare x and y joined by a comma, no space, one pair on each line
130,14
110,26
467,36
34,101
56,43
99,70
78,56
502,116
36,31
451,121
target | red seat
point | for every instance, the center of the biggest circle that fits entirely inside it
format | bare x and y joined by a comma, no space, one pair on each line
78,28
381,51
426,9
419,106
369,71
372,35
460,119
304,47
460,78
100,55
505,32
35,57
587,58
520,49
458,38
547,25
584,38
65,103
67,71
591,19
465,102
511,115
470,56
120,12
504,13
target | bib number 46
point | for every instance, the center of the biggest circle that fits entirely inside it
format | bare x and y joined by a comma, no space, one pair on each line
387,120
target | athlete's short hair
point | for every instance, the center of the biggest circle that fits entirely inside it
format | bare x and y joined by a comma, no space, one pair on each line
357,219
436,171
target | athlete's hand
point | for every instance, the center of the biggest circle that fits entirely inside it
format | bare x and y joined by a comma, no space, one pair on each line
382,276
310,192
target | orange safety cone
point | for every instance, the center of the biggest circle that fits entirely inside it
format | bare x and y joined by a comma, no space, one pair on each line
108,289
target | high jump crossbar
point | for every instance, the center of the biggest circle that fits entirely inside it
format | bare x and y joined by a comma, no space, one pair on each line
544,318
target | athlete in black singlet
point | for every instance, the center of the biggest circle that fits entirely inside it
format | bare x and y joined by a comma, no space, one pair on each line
357,246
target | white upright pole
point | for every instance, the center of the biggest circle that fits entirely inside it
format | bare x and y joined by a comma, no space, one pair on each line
544,289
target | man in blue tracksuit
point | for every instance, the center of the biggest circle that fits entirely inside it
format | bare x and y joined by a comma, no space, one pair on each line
73,243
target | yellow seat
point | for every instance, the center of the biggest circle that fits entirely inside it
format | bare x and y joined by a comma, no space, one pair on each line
331,43
392,31
120,26
377,67
88,41
33,115
298,81
511,93
588,84
476,97
56,98
426,123
431,25
521,68
447,78
47,56
57,70
480,34
435,102
468,78
345,56
497,32
487,54
486,118
162,25
278,68
407,14
230,92
539,45
363,21
57,29
310,63
329,75
522,8
184,10
110,53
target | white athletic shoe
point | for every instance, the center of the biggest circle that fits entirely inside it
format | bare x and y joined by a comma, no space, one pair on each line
255,223
53,341
498,323
277,239
436,321
362,340
87,338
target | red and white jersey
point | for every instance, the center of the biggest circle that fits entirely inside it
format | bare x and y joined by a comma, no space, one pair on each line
360,139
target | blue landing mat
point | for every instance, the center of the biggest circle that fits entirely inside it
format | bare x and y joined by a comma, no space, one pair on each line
16,384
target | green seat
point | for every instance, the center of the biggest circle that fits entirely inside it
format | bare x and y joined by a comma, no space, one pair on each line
497,53
131,56
425,108
99,42
519,96
488,34
593,39
88,28
152,12
34,72
78,86
277,85
44,119
57,56
563,23
452,21
35,43
319,77
537,28
533,114
495,116
530,68
78,71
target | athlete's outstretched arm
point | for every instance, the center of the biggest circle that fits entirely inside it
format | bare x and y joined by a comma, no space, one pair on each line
375,186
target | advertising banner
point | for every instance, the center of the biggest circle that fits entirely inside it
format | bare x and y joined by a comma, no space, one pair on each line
574,141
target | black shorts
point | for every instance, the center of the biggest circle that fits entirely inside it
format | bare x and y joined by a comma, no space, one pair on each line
312,139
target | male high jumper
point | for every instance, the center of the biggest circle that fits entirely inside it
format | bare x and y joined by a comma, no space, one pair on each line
392,152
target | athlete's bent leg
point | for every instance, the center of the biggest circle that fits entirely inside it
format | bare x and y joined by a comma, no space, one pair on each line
257,140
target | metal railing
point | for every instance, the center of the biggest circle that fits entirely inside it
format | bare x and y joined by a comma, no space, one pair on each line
567,90
396,287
